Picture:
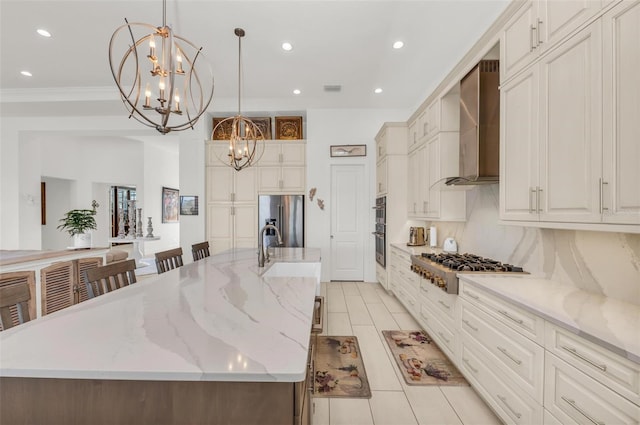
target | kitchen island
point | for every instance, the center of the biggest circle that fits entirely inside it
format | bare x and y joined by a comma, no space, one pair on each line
215,341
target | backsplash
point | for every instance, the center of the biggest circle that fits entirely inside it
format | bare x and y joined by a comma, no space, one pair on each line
602,262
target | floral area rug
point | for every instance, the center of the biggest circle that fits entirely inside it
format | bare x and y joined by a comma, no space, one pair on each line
420,360
339,370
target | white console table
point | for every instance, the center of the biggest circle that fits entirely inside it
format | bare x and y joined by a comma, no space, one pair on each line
137,247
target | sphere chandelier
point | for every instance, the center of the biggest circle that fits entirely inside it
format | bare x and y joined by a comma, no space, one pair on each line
246,141
163,79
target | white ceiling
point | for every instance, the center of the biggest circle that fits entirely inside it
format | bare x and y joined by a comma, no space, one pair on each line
335,42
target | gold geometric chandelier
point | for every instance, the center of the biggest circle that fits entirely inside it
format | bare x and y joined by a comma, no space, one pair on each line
164,81
246,141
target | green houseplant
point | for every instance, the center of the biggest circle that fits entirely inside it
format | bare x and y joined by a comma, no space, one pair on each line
77,223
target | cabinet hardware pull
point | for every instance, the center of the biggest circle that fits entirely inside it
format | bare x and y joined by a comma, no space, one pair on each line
443,337
531,46
280,158
573,404
473,369
444,305
424,317
475,297
538,32
504,401
602,207
531,190
538,199
508,316
233,196
233,210
506,353
575,352
466,322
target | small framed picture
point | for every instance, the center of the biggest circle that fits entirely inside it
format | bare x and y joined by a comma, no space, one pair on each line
289,128
264,124
222,128
348,150
170,205
188,205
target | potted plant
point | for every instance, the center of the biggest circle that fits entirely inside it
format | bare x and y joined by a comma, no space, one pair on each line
77,223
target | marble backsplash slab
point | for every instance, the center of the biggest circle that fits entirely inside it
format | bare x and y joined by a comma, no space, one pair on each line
606,263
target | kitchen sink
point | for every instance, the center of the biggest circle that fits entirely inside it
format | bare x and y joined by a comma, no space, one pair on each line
278,269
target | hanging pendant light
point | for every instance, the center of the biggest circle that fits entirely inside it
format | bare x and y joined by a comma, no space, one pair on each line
246,141
177,81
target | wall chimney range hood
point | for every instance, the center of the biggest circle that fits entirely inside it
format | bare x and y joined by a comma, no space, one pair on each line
479,126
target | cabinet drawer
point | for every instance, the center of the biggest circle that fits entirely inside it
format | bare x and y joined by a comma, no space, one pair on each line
446,304
445,336
575,398
516,318
519,357
509,403
612,370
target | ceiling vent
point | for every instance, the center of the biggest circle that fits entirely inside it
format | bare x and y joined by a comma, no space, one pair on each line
332,88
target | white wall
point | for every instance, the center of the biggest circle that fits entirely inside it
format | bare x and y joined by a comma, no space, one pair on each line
57,203
326,127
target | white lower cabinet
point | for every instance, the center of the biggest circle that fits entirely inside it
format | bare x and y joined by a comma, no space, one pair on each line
511,404
231,226
575,398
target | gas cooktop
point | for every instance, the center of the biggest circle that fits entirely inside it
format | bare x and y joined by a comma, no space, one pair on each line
442,269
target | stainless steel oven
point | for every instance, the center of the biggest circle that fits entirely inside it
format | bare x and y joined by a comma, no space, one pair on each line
380,232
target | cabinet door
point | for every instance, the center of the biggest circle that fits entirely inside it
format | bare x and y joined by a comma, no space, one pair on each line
293,179
56,283
219,227
381,178
620,191
245,226
412,140
432,194
517,43
269,179
271,155
417,175
556,19
219,184
571,129
519,147
216,150
293,153
245,185
432,120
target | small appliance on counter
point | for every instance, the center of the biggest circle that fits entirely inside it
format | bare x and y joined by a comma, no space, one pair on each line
416,236
433,237
450,245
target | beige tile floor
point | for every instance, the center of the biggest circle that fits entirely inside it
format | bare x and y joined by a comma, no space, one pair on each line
364,310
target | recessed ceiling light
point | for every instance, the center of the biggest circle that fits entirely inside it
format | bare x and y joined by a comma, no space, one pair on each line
398,45
26,73
286,46
43,33
378,90
296,91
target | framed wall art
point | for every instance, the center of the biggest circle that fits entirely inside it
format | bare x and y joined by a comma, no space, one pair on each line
221,129
348,150
289,128
170,205
188,205
264,124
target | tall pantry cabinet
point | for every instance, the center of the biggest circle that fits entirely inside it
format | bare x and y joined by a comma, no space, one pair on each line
232,196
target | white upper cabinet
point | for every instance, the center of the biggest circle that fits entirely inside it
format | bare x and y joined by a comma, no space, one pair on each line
552,113
538,26
282,168
620,185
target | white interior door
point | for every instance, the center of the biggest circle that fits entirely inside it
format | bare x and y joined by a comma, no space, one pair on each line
347,223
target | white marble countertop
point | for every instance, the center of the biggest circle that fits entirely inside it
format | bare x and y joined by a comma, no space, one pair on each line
216,319
611,323
415,250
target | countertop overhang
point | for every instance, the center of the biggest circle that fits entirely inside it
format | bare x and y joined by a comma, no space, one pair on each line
217,319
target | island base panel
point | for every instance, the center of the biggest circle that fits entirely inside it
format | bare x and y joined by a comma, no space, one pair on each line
82,401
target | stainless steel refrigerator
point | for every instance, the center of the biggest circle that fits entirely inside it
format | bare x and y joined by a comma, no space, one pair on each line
286,212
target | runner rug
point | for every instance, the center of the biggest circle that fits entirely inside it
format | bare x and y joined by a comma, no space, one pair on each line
339,370
420,360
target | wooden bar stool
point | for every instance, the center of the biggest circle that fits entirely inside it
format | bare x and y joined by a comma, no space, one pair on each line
200,250
101,280
168,260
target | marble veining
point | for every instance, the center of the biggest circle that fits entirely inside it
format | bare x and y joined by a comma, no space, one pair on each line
606,321
215,319
604,263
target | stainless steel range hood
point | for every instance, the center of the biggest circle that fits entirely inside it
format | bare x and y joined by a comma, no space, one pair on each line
479,126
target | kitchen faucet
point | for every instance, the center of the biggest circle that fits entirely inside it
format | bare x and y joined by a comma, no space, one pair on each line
261,249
